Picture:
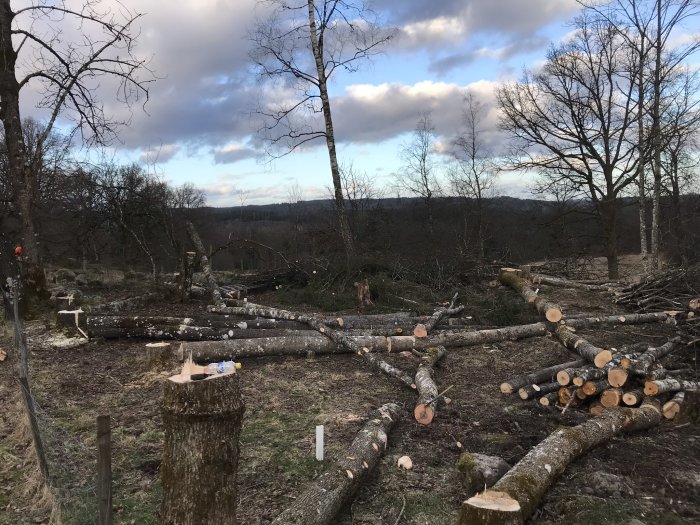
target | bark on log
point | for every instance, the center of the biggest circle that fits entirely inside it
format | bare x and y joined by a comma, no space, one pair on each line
661,386
192,333
426,405
322,500
591,388
212,321
532,391
645,362
598,356
389,369
212,286
566,283
478,472
202,422
423,329
549,399
540,376
549,310
517,494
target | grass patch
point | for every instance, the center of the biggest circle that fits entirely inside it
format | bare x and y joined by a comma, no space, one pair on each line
429,506
589,510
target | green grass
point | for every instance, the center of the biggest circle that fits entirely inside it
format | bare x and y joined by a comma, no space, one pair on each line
429,506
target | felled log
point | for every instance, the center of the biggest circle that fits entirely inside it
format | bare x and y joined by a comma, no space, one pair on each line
611,397
423,329
478,472
426,409
592,388
617,376
567,283
673,406
387,368
327,494
643,364
633,397
549,310
213,321
212,286
540,376
532,391
202,422
661,386
373,320
190,333
549,400
517,494
598,356
72,319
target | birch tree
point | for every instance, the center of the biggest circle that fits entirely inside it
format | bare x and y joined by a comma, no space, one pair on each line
298,47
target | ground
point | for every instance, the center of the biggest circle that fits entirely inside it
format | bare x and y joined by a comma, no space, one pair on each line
658,471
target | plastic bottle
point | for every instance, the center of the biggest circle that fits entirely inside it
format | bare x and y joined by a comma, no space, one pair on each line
223,367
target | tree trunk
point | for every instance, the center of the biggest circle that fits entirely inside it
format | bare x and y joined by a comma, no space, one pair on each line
202,422
608,216
321,501
317,49
643,364
656,138
641,174
549,310
478,471
516,495
426,405
20,166
598,356
661,386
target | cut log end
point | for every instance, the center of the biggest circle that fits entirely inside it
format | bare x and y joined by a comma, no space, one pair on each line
563,377
420,331
424,414
491,507
611,397
651,388
506,388
553,315
602,358
617,377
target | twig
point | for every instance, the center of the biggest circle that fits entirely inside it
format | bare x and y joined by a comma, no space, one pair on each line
403,508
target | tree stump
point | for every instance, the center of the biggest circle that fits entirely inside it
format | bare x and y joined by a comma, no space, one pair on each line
202,422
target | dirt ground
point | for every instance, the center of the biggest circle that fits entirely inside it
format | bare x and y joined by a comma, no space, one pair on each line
658,470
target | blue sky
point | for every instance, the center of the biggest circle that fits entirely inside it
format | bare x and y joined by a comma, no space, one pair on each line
198,127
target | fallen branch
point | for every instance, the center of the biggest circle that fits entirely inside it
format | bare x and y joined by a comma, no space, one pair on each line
549,310
212,286
541,376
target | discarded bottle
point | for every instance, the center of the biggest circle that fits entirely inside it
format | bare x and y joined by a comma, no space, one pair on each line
223,367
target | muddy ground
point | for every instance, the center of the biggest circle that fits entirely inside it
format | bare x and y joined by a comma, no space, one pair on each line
658,470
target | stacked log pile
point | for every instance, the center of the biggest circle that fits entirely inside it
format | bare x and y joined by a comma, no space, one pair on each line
602,377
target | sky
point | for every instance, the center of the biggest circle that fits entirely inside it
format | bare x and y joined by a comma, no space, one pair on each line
200,124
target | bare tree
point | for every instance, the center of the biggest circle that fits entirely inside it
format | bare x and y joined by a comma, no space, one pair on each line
573,120
302,44
36,55
418,174
472,174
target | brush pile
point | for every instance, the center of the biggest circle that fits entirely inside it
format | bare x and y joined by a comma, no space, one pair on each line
674,289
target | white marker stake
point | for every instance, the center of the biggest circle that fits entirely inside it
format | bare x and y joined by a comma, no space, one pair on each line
319,442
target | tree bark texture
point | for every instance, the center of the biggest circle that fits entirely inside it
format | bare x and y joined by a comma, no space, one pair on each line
479,472
549,310
426,405
567,283
517,494
598,356
321,501
643,364
202,422
20,167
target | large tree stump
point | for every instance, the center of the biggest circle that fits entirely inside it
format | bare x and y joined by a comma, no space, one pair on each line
202,422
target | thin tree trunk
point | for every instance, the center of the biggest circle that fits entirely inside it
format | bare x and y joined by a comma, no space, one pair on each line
608,216
20,167
656,137
343,223
641,175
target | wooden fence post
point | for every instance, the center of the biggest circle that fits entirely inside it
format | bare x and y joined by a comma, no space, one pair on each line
104,469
